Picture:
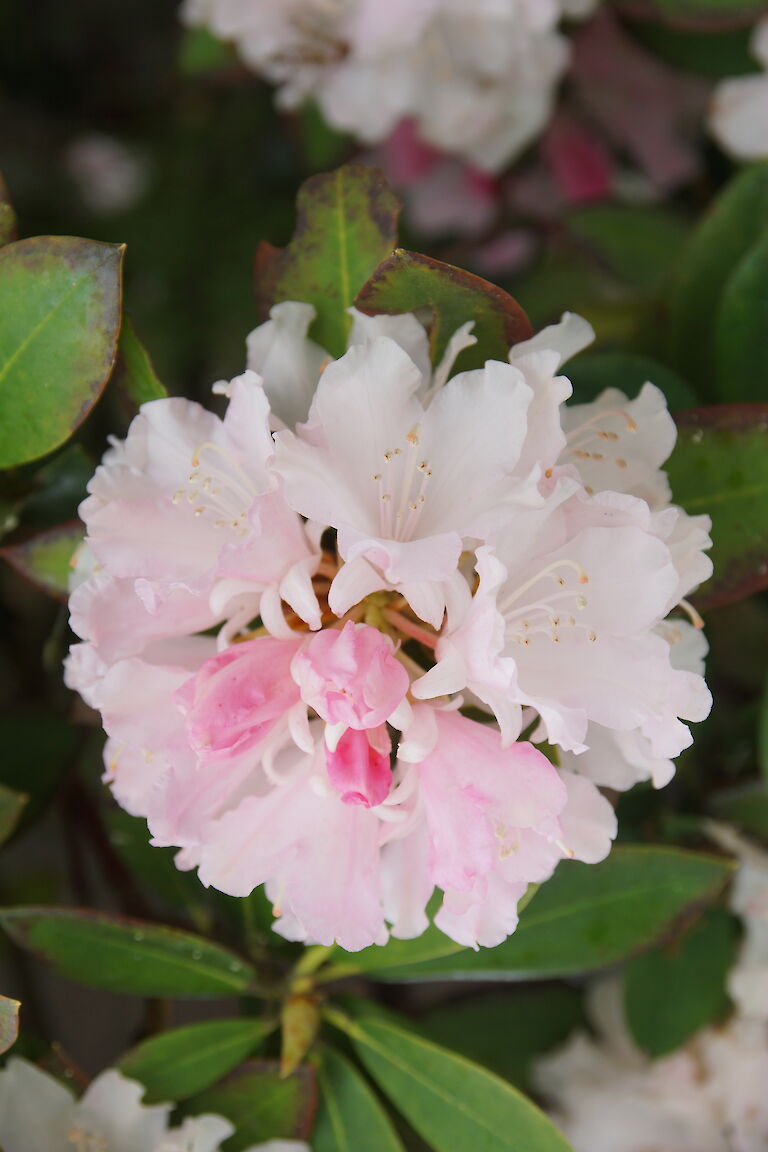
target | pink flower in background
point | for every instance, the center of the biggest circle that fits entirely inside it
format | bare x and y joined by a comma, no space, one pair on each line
281,612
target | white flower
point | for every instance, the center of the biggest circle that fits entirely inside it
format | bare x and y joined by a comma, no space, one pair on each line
478,79
607,1096
738,116
40,1114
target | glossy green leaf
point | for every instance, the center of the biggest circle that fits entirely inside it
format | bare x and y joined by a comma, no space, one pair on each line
260,1104
127,955
720,467
627,371
12,805
349,1118
724,238
177,1064
59,326
505,1031
346,225
46,559
587,917
7,216
742,322
9,1023
455,1105
135,378
410,282
676,990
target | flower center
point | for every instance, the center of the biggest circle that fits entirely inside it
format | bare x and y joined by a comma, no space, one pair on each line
551,610
218,487
86,1140
402,488
605,431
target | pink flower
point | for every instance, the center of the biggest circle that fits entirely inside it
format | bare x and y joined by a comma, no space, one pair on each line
486,539
358,769
351,677
236,698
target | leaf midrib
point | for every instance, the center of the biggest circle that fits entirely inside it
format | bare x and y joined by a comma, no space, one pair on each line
41,324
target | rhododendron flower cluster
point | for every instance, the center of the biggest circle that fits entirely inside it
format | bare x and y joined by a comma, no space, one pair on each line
287,613
608,1096
479,79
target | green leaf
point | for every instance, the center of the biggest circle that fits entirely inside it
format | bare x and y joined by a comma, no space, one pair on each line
59,325
710,13
628,371
135,377
720,467
745,807
453,1104
724,238
350,1118
200,52
12,804
715,55
410,282
127,955
395,954
179,1063
742,322
260,1104
674,991
60,487
639,244
38,747
505,1031
346,225
7,216
587,917
46,559
9,1023
154,867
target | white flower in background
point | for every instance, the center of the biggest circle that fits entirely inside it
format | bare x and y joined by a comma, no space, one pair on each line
478,79
738,115
110,176
40,1114
709,1096
375,539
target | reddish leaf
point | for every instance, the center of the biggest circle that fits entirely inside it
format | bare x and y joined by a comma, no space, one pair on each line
408,282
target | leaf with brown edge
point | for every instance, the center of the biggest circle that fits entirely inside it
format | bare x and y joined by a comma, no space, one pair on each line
9,1023
410,282
261,1104
60,312
46,558
346,223
7,216
720,467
